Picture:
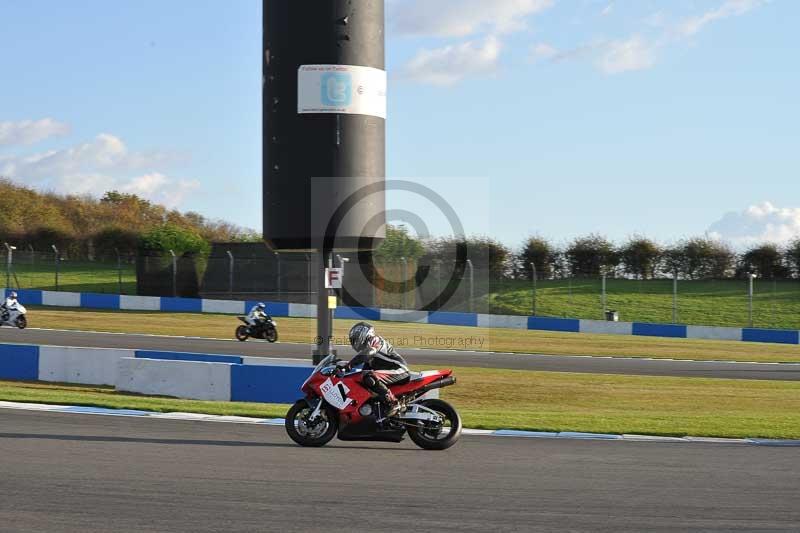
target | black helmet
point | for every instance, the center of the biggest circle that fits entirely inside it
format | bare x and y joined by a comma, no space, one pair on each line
360,335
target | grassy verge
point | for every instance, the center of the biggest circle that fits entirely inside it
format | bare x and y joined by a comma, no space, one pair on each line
74,276
776,304
421,336
543,401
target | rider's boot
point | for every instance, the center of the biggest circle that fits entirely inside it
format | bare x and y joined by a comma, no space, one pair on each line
390,403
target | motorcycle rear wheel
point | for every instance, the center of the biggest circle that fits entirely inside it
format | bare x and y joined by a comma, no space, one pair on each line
241,333
22,322
312,436
438,437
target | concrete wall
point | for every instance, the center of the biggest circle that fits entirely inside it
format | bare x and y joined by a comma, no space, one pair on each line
181,379
88,366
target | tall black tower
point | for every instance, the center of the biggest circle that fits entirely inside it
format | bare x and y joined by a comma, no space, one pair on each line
324,117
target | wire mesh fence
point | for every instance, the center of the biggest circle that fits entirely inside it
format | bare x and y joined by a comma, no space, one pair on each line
411,284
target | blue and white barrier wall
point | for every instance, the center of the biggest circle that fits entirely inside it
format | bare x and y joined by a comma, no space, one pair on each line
182,375
283,309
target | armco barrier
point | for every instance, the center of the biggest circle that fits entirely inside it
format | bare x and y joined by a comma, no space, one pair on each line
19,362
179,378
186,356
267,384
659,330
182,375
97,366
446,318
770,335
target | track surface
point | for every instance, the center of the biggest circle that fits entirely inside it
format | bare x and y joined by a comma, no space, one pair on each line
555,363
96,473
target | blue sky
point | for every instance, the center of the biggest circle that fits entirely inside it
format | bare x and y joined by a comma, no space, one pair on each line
557,118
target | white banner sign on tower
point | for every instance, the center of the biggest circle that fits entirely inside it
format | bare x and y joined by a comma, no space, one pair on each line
342,89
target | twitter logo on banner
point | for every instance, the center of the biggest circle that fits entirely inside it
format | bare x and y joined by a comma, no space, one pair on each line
337,89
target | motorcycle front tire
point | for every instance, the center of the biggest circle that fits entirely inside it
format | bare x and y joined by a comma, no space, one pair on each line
241,333
272,335
22,322
304,440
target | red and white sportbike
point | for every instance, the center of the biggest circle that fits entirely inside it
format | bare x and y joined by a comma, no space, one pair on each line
336,401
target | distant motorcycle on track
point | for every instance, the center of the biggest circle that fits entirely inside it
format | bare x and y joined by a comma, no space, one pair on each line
265,329
14,316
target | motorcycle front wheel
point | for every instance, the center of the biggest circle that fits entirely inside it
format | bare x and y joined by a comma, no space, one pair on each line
307,433
22,322
241,333
438,436
272,335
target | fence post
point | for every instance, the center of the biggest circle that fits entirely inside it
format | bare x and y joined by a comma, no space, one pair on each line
533,281
278,275
55,251
9,262
405,276
438,284
603,295
750,278
471,285
230,273
675,297
174,274
119,270
308,278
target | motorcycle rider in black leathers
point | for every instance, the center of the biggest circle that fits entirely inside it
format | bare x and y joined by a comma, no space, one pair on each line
382,365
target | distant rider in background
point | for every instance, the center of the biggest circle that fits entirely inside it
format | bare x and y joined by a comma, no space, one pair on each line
10,303
258,314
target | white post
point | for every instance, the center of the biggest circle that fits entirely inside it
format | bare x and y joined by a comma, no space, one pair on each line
230,273
675,297
750,278
405,276
471,285
55,251
533,281
174,274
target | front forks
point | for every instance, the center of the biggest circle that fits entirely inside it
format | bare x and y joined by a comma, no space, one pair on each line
315,413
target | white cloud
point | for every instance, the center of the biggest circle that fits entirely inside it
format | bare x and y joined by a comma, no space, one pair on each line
607,10
97,166
541,51
624,56
105,152
729,8
610,57
160,188
450,64
28,132
461,18
762,222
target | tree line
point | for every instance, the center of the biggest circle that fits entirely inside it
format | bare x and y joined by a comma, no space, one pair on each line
88,227
593,255
643,258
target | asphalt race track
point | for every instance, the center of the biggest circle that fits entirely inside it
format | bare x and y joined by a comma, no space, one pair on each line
442,358
66,472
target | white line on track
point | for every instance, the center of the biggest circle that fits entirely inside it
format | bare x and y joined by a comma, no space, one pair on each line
195,417
479,353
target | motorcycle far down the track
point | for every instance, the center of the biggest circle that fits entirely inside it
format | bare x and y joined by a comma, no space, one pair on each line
265,329
336,402
14,316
